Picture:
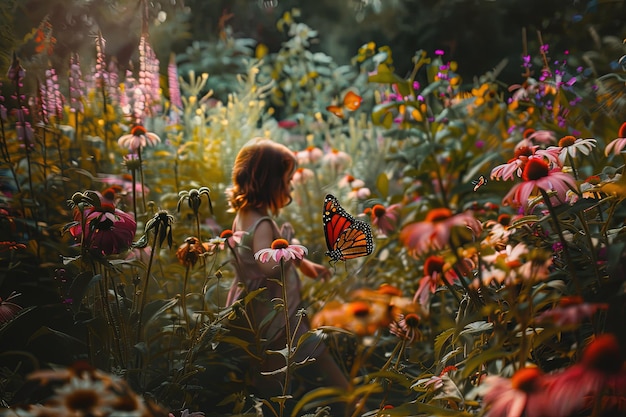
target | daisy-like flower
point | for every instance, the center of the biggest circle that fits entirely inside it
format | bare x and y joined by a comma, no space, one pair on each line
522,155
523,394
600,376
537,174
336,159
385,219
227,238
360,317
509,258
281,249
84,396
571,311
569,145
302,176
310,155
349,181
435,269
616,146
138,138
406,327
434,232
190,251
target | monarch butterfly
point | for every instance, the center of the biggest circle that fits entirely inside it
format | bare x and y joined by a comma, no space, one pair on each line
346,237
351,102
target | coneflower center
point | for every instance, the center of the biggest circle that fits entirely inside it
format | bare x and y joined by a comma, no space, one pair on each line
566,141
226,234
280,244
379,210
525,379
523,151
433,264
138,131
438,214
535,168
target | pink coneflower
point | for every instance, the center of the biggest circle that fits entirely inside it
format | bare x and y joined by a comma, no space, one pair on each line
537,174
385,219
302,176
310,155
571,311
108,230
281,249
521,157
510,258
434,232
227,238
349,181
600,376
138,137
617,145
523,394
336,159
406,327
435,268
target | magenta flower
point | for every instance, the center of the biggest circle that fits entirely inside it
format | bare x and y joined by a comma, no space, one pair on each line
107,230
281,249
138,138
537,174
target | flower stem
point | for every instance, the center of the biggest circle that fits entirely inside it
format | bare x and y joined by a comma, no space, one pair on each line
559,231
144,291
288,333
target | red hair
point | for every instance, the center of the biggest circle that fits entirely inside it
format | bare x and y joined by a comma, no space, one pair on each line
261,176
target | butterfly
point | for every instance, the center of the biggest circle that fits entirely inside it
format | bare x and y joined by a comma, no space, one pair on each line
479,182
351,102
346,237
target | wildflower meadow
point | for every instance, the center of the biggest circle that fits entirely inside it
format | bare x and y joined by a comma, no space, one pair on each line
494,284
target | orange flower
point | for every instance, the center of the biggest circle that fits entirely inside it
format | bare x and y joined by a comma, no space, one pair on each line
189,252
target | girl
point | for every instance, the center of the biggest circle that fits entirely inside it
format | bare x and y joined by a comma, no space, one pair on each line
261,187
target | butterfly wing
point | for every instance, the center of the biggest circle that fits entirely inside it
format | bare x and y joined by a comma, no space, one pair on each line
352,101
346,237
336,110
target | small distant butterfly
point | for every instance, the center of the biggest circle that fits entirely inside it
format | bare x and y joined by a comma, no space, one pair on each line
351,102
346,237
479,182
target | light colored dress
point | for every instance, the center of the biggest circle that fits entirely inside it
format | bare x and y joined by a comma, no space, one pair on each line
249,277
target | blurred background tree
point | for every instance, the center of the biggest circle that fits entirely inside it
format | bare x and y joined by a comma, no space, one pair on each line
477,33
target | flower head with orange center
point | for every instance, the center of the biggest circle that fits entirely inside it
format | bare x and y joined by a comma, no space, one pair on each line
600,374
385,219
523,154
138,138
537,174
617,145
435,267
281,250
226,238
569,145
406,327
434,232
523,394
336,159
310,155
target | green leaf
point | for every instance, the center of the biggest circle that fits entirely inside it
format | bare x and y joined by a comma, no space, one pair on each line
80,285
382,183
155,308
440,341
473,363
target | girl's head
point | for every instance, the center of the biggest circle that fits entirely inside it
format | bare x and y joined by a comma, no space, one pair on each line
262,176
